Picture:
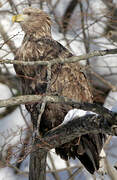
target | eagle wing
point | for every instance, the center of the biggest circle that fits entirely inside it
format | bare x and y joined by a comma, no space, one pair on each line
67,80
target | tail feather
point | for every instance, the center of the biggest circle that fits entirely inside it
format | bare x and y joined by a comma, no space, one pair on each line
87,151
87,162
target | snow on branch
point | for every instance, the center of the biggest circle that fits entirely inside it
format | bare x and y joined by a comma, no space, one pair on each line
79,126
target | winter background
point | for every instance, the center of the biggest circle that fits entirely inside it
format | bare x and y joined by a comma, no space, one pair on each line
11,126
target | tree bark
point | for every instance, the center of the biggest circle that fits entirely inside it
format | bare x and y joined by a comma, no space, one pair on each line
37,169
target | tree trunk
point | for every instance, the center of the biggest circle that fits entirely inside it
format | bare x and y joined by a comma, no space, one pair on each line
37,169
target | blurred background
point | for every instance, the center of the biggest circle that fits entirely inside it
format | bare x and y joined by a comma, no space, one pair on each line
81,26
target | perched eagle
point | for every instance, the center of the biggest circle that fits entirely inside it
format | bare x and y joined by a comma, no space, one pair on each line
66,80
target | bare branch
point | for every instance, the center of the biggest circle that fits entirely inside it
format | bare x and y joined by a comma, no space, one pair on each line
64,60
56,99
7,39
79,126
107,83
65,133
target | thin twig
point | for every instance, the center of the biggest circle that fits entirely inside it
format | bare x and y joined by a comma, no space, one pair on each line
40,114
85,38
76,173
107,83
64,169
48,77
7,39
69,170
55,173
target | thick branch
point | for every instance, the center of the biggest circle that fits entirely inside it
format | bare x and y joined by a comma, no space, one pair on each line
66,133
64,60
56,99
77,127
19,100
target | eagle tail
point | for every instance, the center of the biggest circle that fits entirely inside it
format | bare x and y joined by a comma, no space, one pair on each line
87,151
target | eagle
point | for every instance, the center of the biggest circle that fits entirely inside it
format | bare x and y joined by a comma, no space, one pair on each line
67,80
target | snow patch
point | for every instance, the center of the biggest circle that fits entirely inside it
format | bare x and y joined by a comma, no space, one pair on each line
74,113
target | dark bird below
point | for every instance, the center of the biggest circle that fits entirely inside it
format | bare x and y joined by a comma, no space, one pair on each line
66,80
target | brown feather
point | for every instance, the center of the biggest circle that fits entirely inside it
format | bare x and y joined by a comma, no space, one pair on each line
67,80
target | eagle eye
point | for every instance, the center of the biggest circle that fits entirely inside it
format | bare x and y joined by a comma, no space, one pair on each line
28,13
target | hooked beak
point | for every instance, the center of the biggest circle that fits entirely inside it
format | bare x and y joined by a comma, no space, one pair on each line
18,18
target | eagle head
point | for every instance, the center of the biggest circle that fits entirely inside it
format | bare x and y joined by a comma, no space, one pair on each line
34,21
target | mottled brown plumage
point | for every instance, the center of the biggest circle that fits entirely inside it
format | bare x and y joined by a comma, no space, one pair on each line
67,80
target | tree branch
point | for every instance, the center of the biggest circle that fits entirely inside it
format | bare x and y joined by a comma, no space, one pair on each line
79,126
62,60
66,133
56,99
7,40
